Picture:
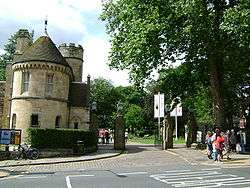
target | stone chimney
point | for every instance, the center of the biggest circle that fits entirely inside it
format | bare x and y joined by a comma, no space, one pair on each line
23,41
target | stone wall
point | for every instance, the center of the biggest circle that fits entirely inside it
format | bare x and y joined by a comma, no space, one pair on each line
2,92
80,115
47,111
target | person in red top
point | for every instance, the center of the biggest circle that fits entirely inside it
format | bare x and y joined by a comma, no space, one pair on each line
218,141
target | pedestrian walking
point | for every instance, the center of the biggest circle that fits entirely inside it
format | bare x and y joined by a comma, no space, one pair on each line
126,137
107,136
209,144
232,140
227,145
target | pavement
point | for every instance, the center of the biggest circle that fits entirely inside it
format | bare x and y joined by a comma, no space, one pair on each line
104,151
190,155
199,157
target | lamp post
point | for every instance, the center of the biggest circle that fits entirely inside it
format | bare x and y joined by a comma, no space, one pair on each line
93,108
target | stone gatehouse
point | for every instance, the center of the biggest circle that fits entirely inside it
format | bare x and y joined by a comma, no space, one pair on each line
44,87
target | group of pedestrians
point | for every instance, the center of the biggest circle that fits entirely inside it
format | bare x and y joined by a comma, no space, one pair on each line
104,136
222,144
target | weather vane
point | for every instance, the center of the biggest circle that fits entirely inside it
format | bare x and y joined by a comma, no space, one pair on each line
46,23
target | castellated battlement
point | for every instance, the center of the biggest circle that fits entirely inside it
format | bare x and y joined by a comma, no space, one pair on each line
71,50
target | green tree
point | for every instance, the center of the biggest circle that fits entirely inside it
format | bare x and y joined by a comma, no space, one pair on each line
134,120
9,49
104,94
147,35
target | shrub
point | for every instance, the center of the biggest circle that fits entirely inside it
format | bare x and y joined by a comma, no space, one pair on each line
61,138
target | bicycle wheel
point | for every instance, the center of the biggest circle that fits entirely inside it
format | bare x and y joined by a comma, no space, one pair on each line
34,154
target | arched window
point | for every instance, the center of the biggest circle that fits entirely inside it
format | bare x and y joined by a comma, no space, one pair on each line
34,120
25,81
58,122
75,125
49,84
13,125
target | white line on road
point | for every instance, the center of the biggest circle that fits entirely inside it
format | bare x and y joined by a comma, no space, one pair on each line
211,169
31,177
168,171
198,177
11,177
184,173
81,175
131,173
197,182
68,182
72,176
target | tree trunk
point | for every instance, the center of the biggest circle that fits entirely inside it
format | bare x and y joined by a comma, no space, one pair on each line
170,128
216,80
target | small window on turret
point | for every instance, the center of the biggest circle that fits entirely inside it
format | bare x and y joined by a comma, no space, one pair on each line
34,120
49,84
13,126
58,122
25,81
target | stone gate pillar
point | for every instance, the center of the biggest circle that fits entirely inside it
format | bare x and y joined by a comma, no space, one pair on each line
119,137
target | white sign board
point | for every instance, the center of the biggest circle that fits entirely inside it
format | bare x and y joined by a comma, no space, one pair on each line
177,111
159,105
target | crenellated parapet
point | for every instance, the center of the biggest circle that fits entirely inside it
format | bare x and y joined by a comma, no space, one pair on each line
73,54
43,66
71,50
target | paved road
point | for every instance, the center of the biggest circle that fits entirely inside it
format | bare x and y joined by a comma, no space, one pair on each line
142,166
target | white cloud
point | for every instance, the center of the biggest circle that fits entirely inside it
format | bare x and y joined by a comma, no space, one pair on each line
67,22
96,59
30,11
84,5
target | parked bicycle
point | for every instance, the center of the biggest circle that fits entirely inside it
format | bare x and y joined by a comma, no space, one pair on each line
25,152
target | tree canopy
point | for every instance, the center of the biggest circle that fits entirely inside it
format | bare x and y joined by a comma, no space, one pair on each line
210,36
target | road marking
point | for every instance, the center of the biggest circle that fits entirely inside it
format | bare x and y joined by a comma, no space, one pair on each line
202,182
131,173
204,178
186,173
207,169
72,176
68,182
177,171
11,177
81,175
30,177
199,178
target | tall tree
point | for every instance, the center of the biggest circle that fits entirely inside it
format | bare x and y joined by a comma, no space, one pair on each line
9,49
106,97
148,34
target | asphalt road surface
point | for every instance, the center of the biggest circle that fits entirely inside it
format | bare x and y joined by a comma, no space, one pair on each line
142,166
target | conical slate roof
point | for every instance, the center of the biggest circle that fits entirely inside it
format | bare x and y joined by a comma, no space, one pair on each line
43,49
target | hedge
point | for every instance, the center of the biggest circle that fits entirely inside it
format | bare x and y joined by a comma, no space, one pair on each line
60,138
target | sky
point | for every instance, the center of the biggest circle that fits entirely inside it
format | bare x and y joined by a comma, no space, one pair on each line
69,21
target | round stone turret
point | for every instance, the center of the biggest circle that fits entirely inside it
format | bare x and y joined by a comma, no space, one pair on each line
74,56
40,92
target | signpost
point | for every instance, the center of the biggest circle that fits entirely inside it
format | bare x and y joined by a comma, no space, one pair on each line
176,112
10,136
159,108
